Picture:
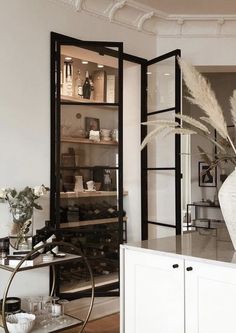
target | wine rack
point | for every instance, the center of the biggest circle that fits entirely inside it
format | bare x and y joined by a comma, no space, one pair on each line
100,246
87,148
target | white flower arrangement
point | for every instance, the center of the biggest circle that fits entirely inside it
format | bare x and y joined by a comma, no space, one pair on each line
23,202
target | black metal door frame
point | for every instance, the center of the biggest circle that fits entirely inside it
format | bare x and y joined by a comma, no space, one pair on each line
56,41
177,166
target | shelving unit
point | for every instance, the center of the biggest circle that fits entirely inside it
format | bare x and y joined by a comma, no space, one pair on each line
89,97
190,223
39,263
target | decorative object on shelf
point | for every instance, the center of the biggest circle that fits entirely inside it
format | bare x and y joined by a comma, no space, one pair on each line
67,82
87,87
115,135
91,185
107,180
202,95
68,159
79,184
207,177
20,322
94,136
105,134
99,79
22,204
91,124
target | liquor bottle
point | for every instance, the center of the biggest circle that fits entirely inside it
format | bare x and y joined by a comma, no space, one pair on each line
92,87
78,85
68,78
107,180
87,87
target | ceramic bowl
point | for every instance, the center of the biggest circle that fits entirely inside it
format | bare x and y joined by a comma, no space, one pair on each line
20,322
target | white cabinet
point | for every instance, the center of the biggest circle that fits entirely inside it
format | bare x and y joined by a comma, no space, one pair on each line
210,298
168,294
154,293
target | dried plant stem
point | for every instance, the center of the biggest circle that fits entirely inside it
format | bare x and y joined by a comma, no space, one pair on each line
231,143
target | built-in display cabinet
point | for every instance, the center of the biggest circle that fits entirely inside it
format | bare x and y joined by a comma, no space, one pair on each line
86,182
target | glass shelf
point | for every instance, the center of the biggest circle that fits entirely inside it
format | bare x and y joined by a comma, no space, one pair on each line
38,263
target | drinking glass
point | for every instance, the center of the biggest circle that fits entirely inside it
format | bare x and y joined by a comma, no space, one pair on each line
63,318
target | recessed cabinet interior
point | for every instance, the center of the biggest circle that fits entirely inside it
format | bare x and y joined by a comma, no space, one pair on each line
87,188
167,294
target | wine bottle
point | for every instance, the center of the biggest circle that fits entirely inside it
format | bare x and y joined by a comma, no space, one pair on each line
92,87
78,86
68,81
87,87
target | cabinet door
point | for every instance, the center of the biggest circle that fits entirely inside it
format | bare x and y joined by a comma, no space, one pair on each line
87,162
210,298
153,293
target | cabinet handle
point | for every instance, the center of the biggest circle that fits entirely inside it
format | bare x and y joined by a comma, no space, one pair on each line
189,269
175,266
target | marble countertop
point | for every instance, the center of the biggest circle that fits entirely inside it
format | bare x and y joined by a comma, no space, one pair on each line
191,245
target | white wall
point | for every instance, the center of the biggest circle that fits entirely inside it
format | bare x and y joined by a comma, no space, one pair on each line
214,51
25,27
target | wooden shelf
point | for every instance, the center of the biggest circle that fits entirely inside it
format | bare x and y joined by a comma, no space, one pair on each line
89,194
89,222
87,141
70,100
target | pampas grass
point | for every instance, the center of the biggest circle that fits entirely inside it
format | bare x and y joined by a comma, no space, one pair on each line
203,96
193,122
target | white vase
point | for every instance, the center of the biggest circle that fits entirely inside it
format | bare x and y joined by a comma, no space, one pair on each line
227,199
78,184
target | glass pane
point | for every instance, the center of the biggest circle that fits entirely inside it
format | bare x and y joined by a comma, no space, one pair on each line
161,149
161,196
100,244
161,85
158,231
89,75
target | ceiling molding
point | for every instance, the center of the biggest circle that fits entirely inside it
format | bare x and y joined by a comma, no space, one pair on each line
147,20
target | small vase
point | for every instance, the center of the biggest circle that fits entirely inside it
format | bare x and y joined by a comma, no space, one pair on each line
227,200
78,184
20,236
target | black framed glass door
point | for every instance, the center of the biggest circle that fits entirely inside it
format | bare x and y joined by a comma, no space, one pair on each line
87,158
160,164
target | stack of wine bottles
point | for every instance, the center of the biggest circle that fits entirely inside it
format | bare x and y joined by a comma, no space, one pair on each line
84,212
100,245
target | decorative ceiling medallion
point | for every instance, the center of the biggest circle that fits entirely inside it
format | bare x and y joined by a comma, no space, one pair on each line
133,15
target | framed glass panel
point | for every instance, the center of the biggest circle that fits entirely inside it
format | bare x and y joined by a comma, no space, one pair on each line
158,231
161,149
161,85
161,196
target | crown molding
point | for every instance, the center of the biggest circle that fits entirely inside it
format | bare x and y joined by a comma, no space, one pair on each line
147,20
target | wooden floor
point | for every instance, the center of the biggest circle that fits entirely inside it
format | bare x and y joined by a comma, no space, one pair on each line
104,317
108,324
